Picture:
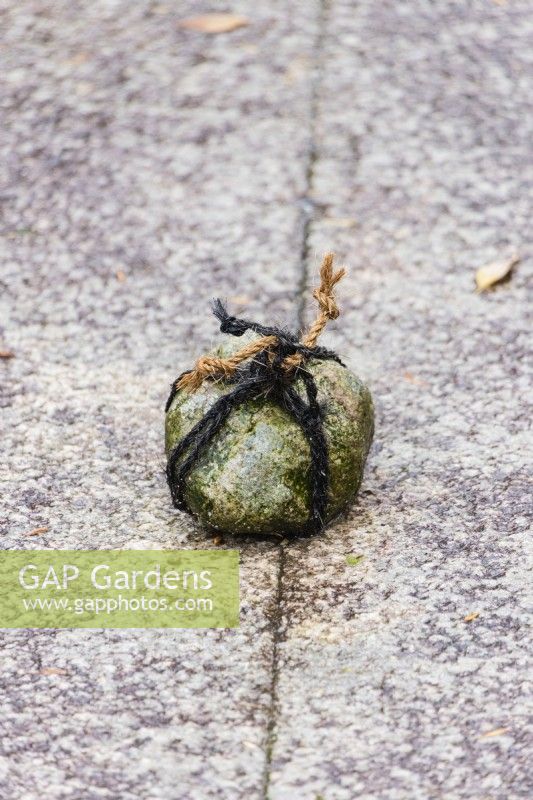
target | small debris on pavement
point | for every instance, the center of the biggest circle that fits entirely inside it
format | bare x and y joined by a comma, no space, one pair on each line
495,732
7,354
53,671
471,617
214,23
410,378
37,531
340,222
495,272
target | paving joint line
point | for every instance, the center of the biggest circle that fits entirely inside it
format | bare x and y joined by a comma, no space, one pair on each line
307,217
308,208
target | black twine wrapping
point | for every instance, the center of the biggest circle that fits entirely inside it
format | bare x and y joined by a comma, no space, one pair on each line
263,376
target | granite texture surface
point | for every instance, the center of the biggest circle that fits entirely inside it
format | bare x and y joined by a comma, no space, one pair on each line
145,168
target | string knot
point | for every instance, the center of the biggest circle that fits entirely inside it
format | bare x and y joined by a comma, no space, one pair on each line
271,338
228,324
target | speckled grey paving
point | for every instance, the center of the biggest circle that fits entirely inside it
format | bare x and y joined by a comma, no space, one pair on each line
384,691
144,169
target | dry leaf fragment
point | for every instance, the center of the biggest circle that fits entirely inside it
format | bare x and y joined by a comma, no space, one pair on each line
121,275
7,354
471,617
495,732
214,23
37,531
495,272
53,671
218,540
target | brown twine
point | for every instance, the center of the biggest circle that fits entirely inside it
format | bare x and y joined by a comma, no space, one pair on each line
213,367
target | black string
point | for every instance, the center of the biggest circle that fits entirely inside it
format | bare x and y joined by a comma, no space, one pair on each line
262,376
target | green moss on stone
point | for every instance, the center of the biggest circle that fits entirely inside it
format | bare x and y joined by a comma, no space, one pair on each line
254,475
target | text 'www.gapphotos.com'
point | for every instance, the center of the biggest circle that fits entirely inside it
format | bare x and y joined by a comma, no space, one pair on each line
112,605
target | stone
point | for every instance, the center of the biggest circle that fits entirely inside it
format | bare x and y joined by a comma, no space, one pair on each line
253,477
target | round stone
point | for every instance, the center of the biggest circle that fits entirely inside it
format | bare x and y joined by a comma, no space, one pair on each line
253,477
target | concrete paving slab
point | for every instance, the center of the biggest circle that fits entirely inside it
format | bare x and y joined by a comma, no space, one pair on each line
145,169
384,689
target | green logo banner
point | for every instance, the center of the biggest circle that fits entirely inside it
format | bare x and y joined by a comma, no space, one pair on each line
119,589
